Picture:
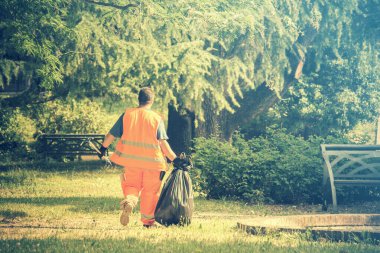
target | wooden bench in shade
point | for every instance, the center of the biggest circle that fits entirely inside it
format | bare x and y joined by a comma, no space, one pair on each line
70,145
349,165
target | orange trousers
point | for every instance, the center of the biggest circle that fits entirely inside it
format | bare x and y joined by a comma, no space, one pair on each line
145,184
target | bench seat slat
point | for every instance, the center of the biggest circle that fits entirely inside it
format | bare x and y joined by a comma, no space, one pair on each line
72,137
350,147
70,152
374,153
357,181
369,176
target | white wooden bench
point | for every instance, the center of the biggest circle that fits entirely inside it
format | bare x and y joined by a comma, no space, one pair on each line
350,165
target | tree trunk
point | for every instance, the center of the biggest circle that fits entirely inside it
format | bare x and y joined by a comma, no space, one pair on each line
213,124
377,142
180,129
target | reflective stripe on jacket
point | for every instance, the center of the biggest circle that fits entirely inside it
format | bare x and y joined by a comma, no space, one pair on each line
138,147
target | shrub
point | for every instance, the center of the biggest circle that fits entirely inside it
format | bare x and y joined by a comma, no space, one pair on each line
16,132
76,117
277,167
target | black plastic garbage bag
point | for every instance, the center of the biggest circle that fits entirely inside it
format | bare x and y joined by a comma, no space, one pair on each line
176,203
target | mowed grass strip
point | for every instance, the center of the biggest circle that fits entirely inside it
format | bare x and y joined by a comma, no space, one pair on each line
76,209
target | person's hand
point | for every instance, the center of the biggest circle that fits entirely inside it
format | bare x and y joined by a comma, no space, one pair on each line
183,162
102,152
177,161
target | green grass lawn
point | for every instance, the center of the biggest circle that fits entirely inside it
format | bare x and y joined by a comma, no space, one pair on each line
73,207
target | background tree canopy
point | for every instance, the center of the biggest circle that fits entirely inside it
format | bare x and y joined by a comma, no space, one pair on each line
186,50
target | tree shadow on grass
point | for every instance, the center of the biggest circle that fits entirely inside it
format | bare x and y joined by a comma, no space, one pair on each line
79,204
53,166
9,214
12,180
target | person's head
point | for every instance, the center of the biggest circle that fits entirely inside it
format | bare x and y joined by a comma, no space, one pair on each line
146,96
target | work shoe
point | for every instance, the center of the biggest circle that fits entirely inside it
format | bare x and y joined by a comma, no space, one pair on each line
126,208
150,226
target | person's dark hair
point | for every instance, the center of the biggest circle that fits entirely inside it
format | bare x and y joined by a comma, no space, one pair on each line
146,95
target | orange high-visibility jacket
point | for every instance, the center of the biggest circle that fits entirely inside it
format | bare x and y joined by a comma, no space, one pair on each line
138,147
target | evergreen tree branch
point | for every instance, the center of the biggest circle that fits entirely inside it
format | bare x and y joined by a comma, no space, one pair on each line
263,97
11,94
31,97
120,7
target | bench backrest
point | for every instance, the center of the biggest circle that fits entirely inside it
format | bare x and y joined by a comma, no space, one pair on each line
349,161
70,144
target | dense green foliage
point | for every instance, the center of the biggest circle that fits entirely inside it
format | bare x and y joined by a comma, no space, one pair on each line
16,129
33,37
333,101
277,167
185,49
74,117
343,94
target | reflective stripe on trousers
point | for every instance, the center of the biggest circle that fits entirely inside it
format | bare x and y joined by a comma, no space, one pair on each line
147,217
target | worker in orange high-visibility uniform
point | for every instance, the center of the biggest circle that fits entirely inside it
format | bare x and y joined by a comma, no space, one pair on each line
142,149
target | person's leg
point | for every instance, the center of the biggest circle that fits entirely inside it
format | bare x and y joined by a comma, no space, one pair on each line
123,184
131,188
149,195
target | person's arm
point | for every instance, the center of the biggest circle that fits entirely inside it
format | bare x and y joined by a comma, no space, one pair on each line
162,137
108,140
116,131
167,150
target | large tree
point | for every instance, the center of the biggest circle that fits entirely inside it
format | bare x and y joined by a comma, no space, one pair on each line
215,64
334,28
